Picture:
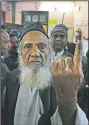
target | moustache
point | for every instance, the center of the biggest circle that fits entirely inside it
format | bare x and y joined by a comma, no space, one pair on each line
41,56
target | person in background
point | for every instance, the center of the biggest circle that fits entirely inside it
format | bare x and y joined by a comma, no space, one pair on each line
42,92
4,26
59,42
4,46
84,50
12,59
59,37
86,78
84,89
86,68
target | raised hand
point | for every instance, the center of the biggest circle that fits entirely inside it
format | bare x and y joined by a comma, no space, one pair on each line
67,73
67,76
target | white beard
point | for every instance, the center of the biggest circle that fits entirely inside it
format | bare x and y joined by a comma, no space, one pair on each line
41,79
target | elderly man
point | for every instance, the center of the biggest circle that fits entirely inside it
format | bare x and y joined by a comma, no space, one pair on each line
12,59
43,92
4,46
59,37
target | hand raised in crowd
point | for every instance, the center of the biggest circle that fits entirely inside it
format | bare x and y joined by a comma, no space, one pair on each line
67,74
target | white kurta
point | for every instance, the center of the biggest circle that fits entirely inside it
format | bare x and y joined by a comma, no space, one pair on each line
29,109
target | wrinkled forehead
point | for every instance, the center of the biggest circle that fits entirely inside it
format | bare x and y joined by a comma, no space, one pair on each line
58,33
34,37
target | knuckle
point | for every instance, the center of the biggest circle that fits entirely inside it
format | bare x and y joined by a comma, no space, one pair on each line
68,58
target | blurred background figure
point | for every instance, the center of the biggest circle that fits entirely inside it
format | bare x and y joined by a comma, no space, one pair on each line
5,27
86,68
84,51
59,37
12,59
84,89
4,46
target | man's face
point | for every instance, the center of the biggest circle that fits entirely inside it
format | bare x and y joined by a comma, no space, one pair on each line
14,41
59,40
4,41
35,49
35,60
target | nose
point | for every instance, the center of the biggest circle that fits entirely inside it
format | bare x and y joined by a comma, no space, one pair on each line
35,52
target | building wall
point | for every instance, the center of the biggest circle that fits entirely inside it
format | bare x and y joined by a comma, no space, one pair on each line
54,14
3,8
24,6
32,6
6,7
8,18
81,17
76,18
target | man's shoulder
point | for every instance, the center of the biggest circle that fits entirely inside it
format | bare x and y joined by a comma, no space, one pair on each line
8,59
13,77
15,72
4,68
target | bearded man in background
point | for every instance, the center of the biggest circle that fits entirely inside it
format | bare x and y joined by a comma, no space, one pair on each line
4,47
42,92
11,59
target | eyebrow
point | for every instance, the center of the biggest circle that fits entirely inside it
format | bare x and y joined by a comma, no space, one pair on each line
24,42
42,42
58,33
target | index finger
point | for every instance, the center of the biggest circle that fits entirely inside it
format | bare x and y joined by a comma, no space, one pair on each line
77,54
